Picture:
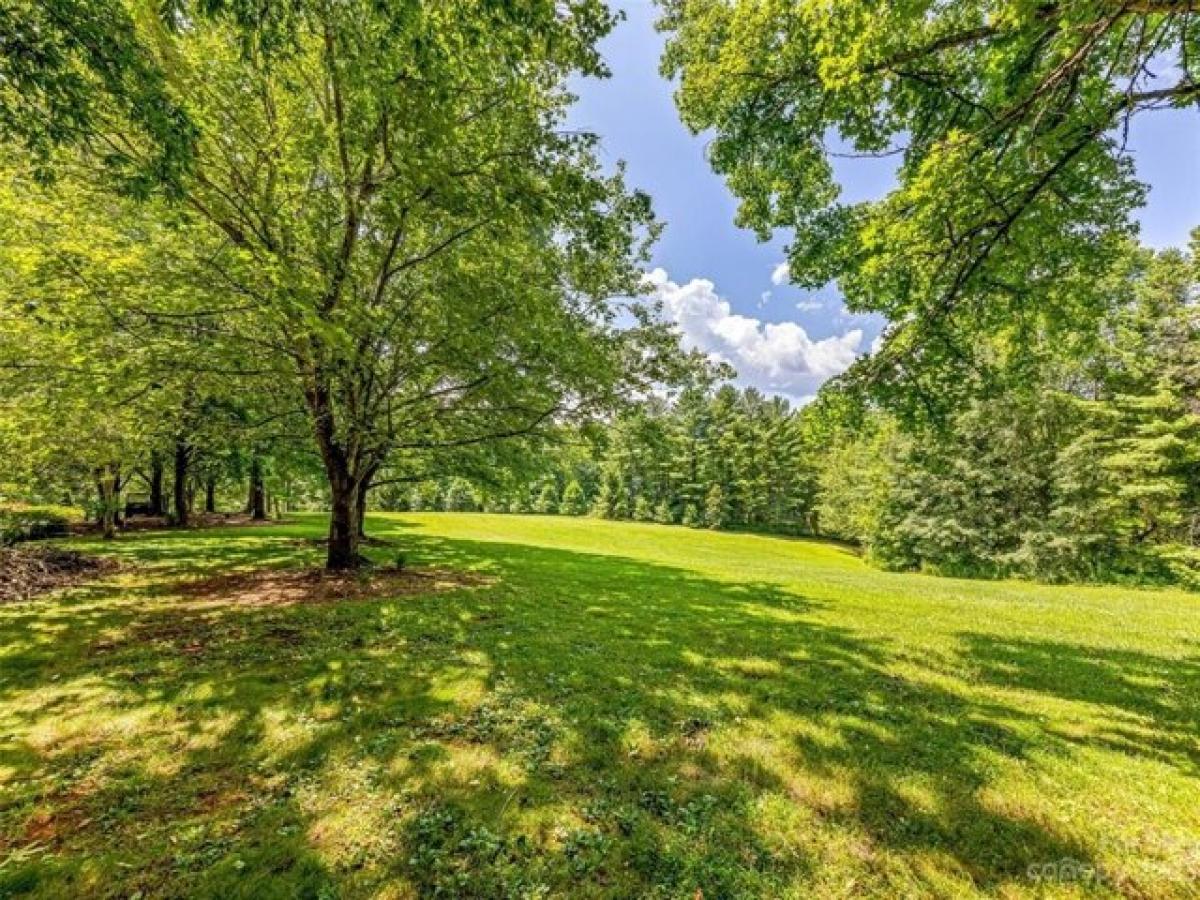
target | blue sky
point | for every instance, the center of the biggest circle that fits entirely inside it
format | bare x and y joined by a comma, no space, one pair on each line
716,279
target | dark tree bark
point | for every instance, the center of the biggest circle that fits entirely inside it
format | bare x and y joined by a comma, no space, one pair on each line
343,525
258,493
118,485
210,494
158,501
183,461
344,468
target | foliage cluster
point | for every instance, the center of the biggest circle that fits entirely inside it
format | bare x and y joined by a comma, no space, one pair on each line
1091,471
1007,121
27,522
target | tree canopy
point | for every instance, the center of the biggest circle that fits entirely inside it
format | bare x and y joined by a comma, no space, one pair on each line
386,223
1007,121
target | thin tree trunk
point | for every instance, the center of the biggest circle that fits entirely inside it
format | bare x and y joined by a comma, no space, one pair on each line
117,486
183,459
210,494
158,502
106,490
363,487
103,509
258,492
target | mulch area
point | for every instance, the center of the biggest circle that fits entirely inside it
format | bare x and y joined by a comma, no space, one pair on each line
26,572
288,587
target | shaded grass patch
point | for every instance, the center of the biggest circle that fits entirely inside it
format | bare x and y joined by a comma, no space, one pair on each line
597,709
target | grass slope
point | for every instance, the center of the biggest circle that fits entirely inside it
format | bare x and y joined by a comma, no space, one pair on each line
622,710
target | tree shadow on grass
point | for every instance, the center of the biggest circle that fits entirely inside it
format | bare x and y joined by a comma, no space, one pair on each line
200,552
586,725
1151,704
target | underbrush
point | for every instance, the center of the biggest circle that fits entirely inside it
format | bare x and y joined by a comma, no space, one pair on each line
1052,561
27,522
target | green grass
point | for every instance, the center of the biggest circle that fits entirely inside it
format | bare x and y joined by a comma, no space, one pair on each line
622,710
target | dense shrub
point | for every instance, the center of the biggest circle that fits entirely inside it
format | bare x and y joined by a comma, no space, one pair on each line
547,501
20,522
460,497
574,501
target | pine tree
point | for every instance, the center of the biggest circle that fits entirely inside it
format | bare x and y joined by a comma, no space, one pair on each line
574,503
1127,485
643,511
460,496
605,504
714,507
663,514
547,502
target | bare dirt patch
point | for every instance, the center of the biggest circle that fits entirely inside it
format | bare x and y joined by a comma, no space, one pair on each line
288,587
26,572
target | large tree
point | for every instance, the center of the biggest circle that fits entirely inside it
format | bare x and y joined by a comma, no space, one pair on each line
385,218
1007,120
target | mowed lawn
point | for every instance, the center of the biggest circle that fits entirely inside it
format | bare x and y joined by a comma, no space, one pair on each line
610,710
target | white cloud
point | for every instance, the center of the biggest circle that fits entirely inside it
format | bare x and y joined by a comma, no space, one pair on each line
777,357
810,305
781,273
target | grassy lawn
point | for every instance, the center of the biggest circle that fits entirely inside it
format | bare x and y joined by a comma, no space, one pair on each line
612,710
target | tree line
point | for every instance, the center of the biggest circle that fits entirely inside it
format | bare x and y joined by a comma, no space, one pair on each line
710,456
1087,467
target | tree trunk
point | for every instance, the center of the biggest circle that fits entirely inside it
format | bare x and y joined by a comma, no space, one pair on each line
210,494
343,525
361,510
106,488
118,485
258,493
344,469
183,459
158,502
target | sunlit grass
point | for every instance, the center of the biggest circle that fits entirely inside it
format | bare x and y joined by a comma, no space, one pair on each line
618,710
